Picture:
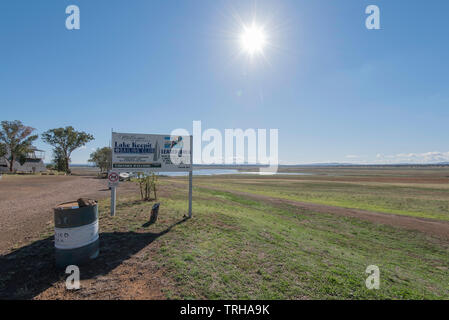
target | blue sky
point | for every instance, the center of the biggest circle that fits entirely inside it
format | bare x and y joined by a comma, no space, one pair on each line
336,91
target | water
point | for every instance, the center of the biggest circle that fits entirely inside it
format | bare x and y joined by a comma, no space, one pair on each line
216,172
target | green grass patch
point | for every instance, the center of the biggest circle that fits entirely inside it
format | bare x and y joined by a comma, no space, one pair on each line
239,248
411,201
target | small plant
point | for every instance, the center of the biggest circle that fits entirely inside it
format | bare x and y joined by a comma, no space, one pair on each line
154,184
146,184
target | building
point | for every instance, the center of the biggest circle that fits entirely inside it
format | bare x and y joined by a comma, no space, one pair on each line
34,162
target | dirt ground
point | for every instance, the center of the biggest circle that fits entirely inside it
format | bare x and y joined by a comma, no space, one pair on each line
27,202
122,271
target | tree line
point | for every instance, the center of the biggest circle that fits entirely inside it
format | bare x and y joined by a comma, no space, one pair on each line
16,142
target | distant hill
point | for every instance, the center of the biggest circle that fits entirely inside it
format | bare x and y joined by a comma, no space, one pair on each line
330,164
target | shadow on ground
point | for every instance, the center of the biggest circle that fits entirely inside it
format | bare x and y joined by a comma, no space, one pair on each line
30,270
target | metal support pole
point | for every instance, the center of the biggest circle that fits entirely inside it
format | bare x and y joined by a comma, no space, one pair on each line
190,177
113,200
190,194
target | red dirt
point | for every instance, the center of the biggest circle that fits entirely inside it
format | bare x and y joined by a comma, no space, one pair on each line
137,278
123,270
27,202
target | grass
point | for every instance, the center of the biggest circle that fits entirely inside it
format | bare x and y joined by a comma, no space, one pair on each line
410,200
239,248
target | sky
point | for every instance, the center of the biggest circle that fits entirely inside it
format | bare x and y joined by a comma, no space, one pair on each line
336,91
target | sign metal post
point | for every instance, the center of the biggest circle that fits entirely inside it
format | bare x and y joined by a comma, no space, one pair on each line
113,195
190,177
113,180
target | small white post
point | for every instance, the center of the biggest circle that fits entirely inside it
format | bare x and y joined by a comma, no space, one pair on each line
113,195
190,177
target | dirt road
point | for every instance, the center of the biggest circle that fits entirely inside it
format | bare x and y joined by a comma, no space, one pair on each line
27,202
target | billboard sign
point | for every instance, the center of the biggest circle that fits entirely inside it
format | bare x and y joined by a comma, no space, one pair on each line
150,153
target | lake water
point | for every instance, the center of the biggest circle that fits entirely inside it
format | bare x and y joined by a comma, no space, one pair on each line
216,172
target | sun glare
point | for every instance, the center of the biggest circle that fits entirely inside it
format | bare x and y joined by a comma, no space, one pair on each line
253,39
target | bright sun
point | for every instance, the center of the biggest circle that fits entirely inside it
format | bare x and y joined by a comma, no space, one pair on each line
253,39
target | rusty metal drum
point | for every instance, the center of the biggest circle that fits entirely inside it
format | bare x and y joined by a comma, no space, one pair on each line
76,234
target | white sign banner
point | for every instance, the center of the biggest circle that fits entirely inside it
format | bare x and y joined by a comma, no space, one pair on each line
150,153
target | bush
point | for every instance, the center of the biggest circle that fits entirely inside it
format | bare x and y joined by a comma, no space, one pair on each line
146,184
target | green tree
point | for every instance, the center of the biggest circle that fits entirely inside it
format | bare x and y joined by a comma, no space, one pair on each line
65,141
60,160
102,158
3,150
16,141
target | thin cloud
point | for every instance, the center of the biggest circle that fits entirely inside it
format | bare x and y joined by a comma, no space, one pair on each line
418,158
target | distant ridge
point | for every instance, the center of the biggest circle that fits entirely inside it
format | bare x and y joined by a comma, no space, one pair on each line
330,164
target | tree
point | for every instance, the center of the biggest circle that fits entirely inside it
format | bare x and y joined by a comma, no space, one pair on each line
65,141
60,160
3,151
102,158
16,141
